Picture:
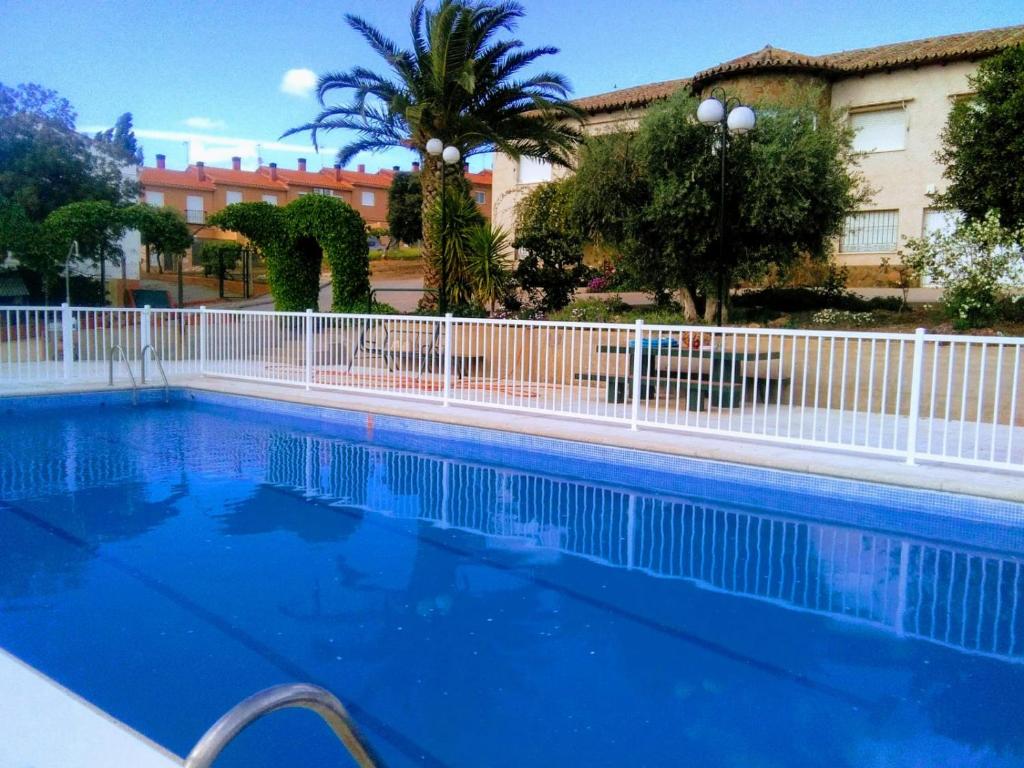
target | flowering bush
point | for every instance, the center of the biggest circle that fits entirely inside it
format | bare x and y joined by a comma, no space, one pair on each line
598,284
978,265
842,317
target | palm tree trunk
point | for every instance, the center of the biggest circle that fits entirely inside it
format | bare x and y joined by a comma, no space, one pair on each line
430,181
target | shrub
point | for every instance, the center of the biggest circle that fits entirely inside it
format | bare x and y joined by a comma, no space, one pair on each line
217,255
552,266
842,317
811,299
977,265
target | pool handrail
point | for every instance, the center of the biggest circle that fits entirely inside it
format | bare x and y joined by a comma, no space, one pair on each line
118,351
286,696
160,366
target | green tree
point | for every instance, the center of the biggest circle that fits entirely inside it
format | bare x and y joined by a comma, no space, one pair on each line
44,162
405,208
120,140
95,225
457,82
983,143
296,238
547,231
161,230
655,196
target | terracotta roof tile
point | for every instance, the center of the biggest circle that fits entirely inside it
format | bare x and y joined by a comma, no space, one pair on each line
381,179
324,179
625,98
768,57
245,178
165,177
482,179
964,45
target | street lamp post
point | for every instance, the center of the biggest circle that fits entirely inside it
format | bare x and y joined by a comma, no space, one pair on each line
726,115
449,156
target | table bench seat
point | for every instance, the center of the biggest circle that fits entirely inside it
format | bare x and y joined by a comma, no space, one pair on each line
723,394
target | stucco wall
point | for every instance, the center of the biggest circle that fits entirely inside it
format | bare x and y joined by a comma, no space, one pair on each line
902,179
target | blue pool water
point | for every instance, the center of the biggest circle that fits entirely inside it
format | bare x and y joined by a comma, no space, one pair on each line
481,601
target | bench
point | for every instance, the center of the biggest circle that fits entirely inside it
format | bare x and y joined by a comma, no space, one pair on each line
726,394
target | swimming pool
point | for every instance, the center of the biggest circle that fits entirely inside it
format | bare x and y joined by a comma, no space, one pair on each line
483,599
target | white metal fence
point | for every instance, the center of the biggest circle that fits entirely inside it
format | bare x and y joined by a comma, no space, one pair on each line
914,396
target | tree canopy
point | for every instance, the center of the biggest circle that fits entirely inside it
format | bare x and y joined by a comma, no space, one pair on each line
457,81
654,195
44,162
983,143
405,208
120,140
296,238
162,229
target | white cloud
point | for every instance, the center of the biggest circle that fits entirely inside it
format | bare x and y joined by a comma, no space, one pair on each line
220,149
298,82
205,123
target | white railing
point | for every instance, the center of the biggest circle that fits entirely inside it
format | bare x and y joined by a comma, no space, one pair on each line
913,396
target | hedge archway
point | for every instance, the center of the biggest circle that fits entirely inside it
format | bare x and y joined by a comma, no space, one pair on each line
295,239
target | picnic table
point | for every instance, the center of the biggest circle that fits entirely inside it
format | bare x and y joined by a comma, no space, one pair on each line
725,377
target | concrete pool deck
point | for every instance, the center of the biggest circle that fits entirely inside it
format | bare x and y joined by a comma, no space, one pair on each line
886,470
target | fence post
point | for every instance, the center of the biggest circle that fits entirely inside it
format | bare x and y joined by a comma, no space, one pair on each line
67,339
309,347
638,350
145,338
446,398
914,413
202,340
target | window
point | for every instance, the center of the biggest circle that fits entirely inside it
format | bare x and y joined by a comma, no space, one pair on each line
533,170
194,209
367,199
871,232
884,130
480,197
272,199
323,191
155,198
233,196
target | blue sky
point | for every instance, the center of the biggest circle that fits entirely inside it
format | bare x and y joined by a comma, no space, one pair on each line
211,73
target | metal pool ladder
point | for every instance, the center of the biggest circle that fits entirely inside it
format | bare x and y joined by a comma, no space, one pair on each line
288,696
160,367
118,351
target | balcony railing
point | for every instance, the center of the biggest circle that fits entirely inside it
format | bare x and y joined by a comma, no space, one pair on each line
195,216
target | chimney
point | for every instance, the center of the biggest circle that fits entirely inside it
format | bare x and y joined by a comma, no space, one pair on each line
161,161
416,166
395,168
337,171
236,163
201,170
273,171
302,164
361,168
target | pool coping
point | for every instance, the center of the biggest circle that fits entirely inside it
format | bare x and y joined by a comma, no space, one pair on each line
45,725
961,480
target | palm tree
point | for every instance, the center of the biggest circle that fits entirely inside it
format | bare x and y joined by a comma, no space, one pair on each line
458,83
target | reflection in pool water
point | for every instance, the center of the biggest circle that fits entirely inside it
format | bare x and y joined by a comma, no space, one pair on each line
481,615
